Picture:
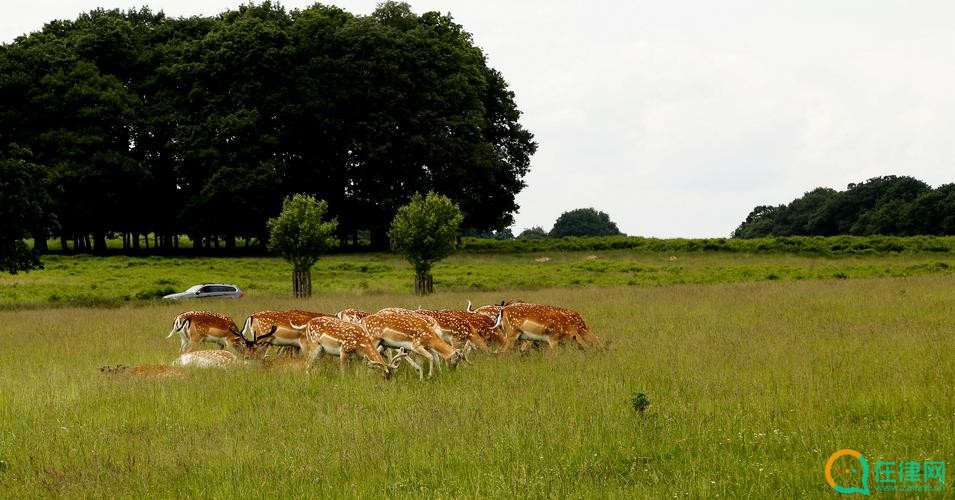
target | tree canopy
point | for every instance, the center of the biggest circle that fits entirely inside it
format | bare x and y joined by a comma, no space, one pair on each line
141,123
584,222
889,205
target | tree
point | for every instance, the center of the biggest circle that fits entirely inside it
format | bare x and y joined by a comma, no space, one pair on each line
426,231
584,222
534,233
888,205
300,236
23,204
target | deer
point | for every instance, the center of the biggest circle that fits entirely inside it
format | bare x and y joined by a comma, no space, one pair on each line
249,349
325,334
351,315
285,334
195,327
543,323
457,327
414,332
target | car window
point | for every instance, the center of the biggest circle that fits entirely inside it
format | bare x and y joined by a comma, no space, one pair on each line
207,289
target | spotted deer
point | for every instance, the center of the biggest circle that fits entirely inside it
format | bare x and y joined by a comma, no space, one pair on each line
248,349
456,327
341,338
539,323
195,327
286,335
414,332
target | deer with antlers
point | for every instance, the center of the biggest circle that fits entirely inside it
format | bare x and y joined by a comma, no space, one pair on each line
341,338
195,327
540,323
351,315
286,335
417,333
249,349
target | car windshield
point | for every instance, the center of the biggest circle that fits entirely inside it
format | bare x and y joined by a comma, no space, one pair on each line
194,288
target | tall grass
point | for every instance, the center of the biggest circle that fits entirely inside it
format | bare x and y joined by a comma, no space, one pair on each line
752,386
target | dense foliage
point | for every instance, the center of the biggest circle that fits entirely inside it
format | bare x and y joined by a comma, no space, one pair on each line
140,123
584,222
22,200
809,245
426,231
889,205
301,235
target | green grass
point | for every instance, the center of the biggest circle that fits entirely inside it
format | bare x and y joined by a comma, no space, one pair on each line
752,386
117,280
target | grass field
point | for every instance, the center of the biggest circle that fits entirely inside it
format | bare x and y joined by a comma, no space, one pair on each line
752,385
118,280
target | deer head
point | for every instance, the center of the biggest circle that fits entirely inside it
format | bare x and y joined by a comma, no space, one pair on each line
251,349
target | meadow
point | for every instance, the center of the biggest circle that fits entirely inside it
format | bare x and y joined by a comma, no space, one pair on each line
114,281
751,385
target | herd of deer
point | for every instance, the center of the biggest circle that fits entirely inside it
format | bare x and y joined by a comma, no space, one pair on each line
413,336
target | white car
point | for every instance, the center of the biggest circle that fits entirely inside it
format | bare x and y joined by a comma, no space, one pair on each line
208,290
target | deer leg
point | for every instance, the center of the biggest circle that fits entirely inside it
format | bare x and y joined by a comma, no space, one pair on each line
427,355
436,358
310,359
343,361
416,366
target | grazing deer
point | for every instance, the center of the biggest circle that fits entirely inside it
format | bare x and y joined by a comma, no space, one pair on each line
342,338
351,315
195,327
414,332
456,327
483,326
543,323
286,334
249,349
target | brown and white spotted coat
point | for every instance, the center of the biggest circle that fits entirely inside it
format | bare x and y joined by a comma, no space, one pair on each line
341,338
456,327
542,323
289,325
398,329
195,327
206,359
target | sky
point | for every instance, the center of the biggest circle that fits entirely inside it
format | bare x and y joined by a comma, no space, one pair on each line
678,117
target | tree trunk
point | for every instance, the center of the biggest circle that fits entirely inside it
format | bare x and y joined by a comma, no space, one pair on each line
64,244
302,283
39,242
99,242
423,283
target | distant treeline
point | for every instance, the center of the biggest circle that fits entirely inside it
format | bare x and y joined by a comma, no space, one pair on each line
890,205
812,245
134,123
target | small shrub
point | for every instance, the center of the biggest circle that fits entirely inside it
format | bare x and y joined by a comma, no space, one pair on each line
640,402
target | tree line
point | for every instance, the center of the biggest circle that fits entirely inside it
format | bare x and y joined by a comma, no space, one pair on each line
133,123
889,205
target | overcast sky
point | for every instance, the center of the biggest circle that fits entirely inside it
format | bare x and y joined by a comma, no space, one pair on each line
677,118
